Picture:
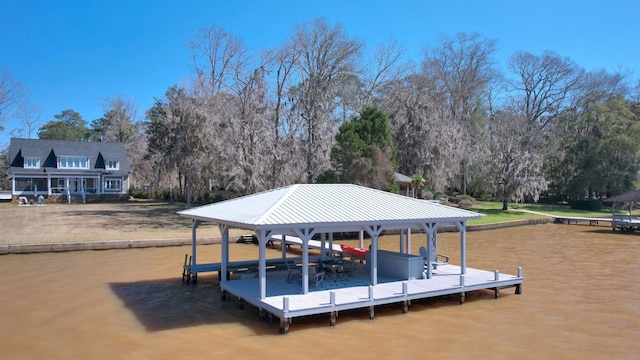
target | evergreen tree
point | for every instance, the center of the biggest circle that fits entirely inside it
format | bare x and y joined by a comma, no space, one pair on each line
69,125
364,153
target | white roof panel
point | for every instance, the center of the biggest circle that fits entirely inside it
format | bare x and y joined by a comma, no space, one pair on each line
325,205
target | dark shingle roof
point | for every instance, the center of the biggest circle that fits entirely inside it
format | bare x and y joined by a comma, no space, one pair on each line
48,150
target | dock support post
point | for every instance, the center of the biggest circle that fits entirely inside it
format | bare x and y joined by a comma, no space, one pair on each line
223,293
405,292
462,285
519,286
241,303
371,312
284,326
186,269
496,289
333,315
405,306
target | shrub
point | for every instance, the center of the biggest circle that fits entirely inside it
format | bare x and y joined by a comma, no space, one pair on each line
139,194
465,204
428,195
465,198
591,205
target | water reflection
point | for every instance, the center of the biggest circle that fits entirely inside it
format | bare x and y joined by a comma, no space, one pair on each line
578,301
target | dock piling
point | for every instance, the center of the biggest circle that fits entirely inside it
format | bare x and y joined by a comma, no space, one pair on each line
333,315
519,286
284,326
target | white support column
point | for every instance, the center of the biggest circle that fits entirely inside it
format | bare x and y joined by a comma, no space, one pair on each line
263,237
68,190
331,244
323,246
374,232
431,230
361,238
402,244
224,252
305,235
284,246
409,241
463,246
194,232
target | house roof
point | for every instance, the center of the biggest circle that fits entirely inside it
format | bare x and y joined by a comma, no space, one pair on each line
631,196
331,207
48,150
402,179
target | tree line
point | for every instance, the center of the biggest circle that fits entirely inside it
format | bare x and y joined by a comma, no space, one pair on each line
321,108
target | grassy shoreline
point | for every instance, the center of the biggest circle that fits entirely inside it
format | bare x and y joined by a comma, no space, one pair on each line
153,220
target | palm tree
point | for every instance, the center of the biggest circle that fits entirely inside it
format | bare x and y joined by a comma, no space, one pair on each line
417,182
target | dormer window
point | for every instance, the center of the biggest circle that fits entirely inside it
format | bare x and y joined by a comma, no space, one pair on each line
73,162
32,163
112,165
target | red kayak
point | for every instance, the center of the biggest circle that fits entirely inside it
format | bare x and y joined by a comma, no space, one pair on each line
354,251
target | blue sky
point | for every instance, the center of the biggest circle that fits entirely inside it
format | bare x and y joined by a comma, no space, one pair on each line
74,54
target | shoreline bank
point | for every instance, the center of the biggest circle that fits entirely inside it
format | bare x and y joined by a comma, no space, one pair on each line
6,249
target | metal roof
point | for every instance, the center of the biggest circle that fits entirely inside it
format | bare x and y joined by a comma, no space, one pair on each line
401,178
631,196
326,206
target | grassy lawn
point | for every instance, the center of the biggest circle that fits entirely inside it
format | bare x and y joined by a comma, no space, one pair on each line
138,220
62,223
493,212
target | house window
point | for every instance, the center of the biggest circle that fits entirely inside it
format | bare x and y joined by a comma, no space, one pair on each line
112,184
30,184
73,162
32,163
113,165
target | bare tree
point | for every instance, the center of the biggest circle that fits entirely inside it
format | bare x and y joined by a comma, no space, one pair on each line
386,59
178,139
118,123
29,117
542,84
328,58
427,141
462,69
516,158
282,63
11,94
216,55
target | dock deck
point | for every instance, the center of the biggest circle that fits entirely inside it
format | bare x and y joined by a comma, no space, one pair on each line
352,291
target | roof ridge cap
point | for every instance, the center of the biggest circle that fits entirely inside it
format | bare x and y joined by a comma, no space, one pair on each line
280,201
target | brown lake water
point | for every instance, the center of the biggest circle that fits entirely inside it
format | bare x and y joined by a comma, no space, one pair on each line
580,300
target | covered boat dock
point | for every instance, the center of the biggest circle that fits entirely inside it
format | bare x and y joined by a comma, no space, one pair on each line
307,210
624,222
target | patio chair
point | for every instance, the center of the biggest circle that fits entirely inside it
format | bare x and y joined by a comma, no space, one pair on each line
316,276
434,259
293,271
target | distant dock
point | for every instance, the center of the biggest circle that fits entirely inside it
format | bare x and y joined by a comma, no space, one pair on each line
579,219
